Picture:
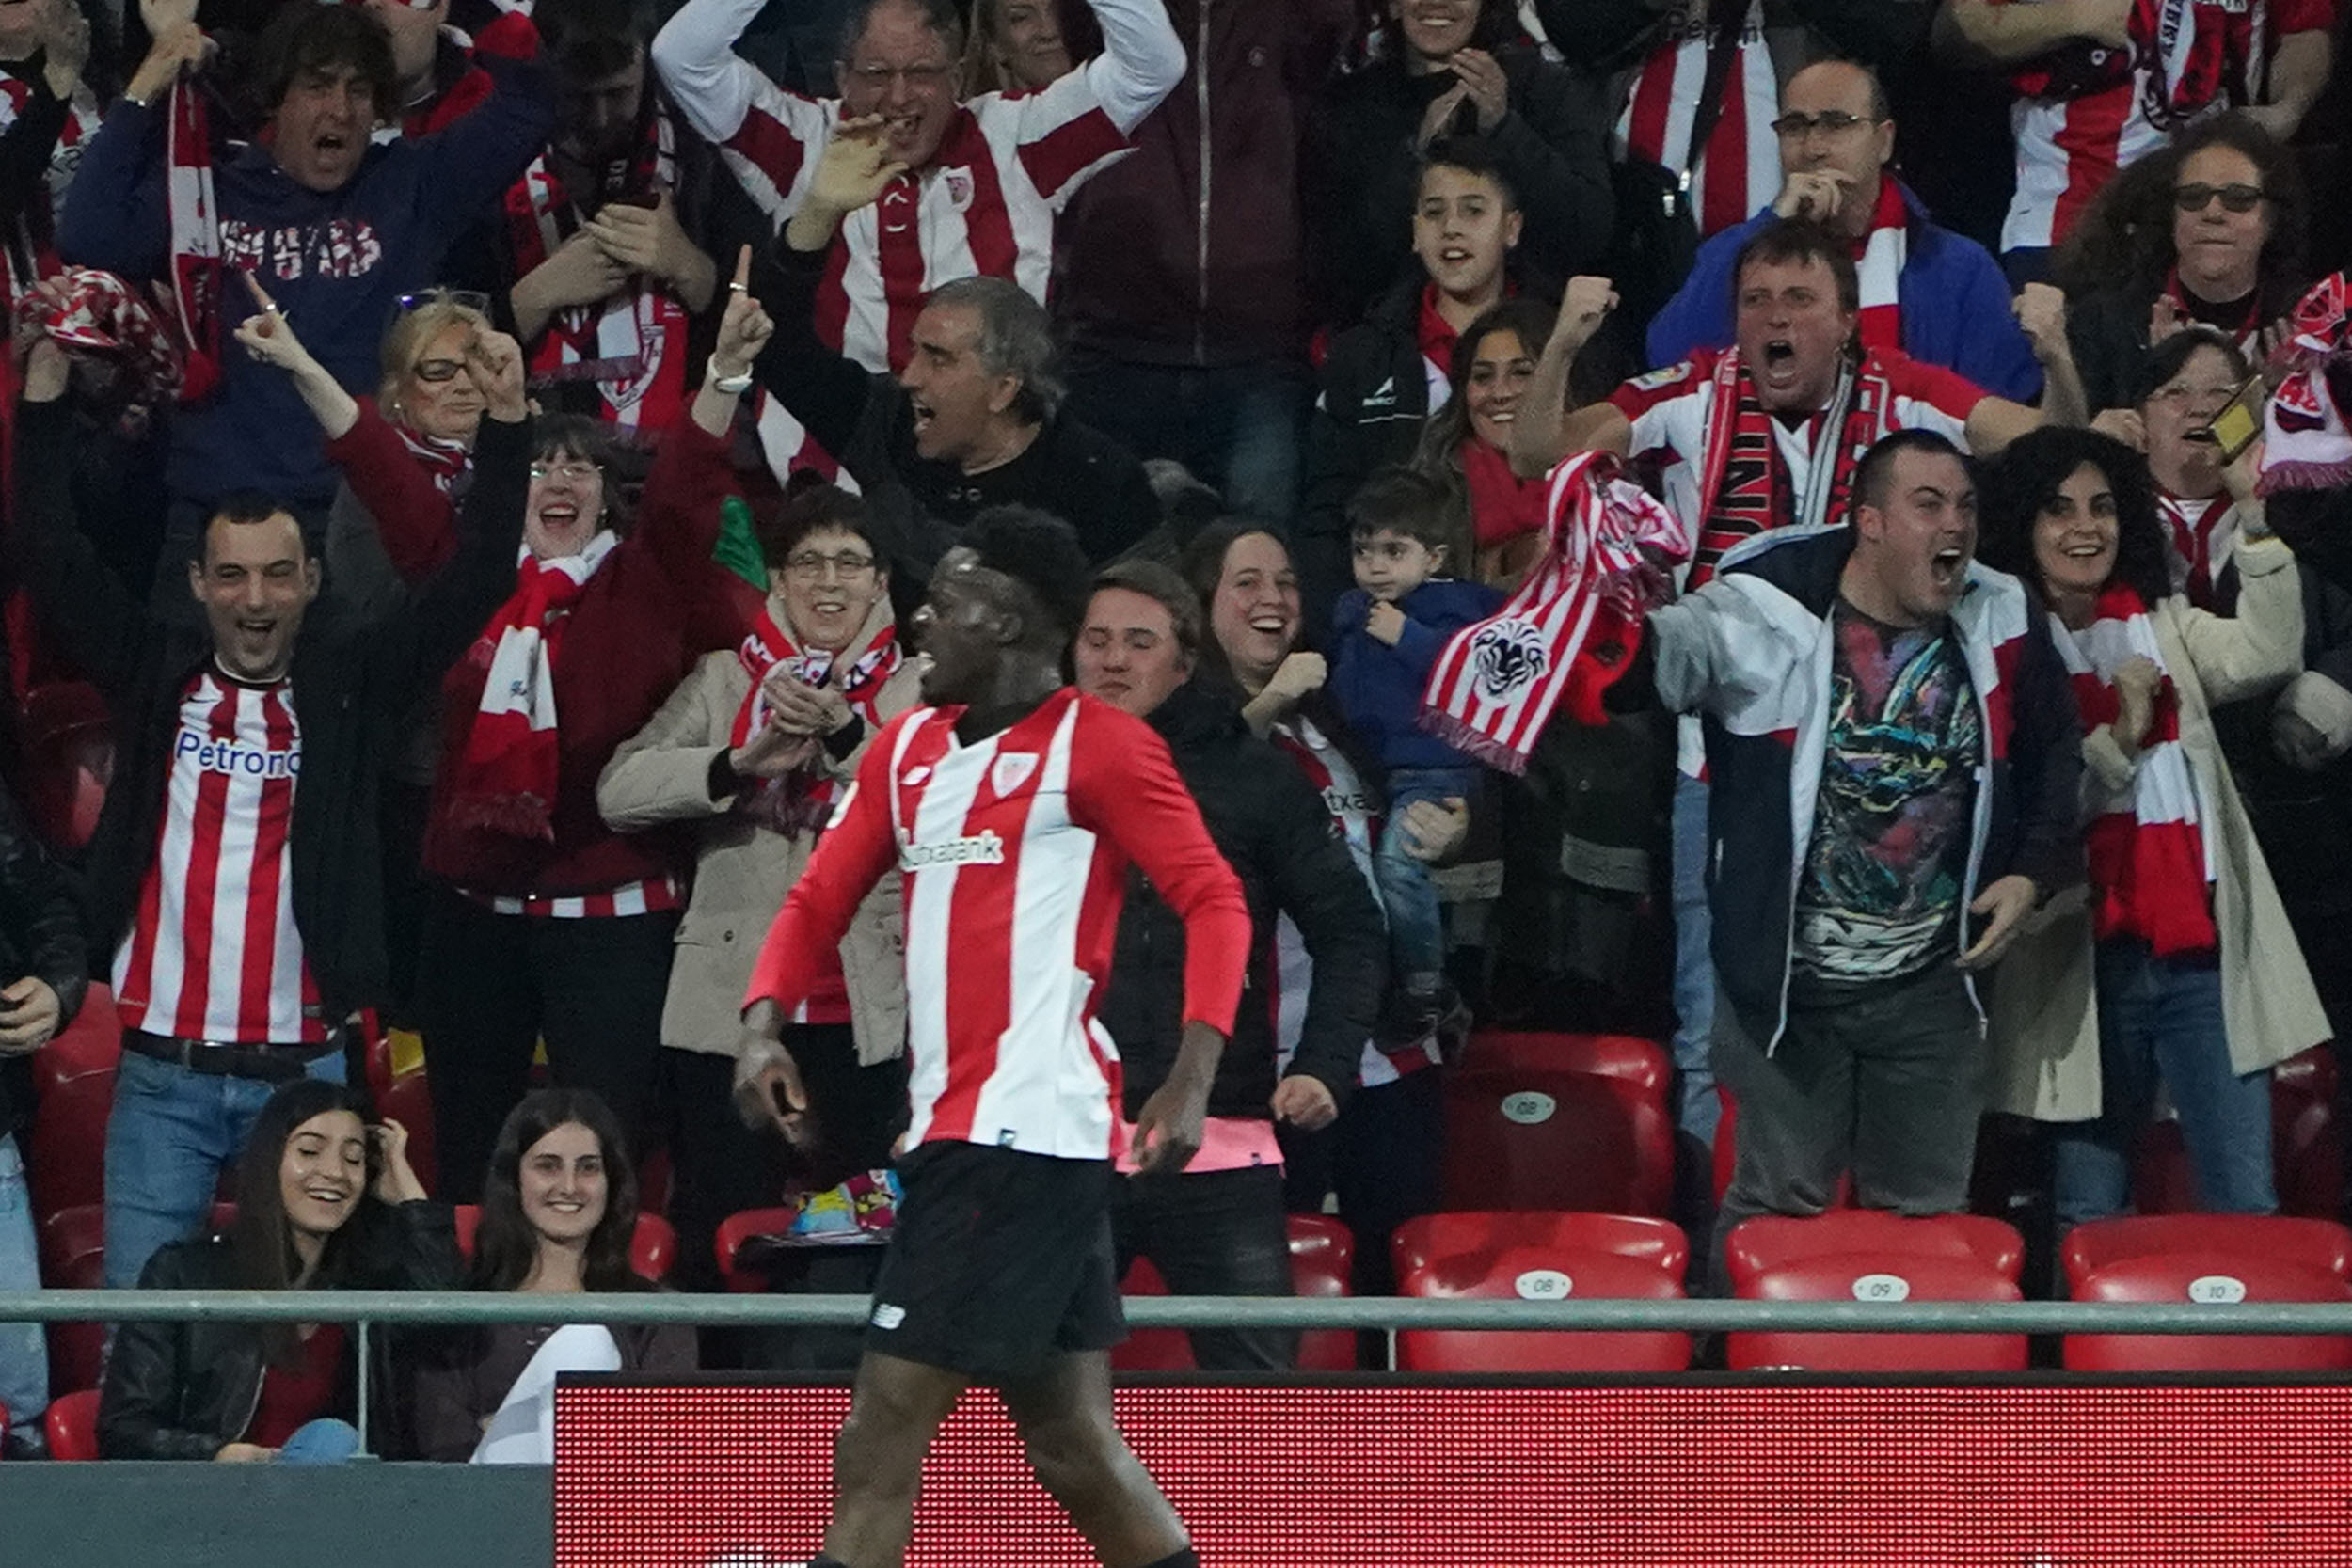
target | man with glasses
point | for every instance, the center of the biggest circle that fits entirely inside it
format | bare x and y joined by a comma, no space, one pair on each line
977,188
1936,295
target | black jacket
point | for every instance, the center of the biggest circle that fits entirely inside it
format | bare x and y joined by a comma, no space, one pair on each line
352,686
183,1391
41,934
1373,402
1364,169
919,505
1275,833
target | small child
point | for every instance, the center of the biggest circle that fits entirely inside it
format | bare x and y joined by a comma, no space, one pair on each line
1389,630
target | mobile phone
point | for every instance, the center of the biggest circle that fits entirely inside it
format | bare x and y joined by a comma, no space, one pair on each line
2240,421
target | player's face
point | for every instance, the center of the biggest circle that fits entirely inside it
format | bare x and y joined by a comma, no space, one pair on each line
1433,29
1793,330
321,128
562,1185
960,626
1857,151
2217,248
254,583
900,70
2178,418
1127,652
1922,538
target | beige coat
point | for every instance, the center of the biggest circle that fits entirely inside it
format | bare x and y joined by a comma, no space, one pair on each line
2044,1020
743,870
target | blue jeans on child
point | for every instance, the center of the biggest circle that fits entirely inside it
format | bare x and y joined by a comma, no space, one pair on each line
2161,1019
24,1352
1416,928
171,1134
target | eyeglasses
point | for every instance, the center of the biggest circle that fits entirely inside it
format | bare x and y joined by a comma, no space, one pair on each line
469,299
2180,393
918,78
577,473
438,369
1830,122
2235,198
811,564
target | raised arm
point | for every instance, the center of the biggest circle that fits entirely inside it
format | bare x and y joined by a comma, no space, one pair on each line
766,134
31,138
1546,429
99,623
1994,33
114,216
2298,74
1141,62
470,165
1995,422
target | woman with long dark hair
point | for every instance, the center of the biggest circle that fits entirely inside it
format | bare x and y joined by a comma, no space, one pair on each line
326,1200
2180,966
1468,438
559,1213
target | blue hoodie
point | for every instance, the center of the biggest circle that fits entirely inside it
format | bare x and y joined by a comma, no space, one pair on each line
336,262
1378,688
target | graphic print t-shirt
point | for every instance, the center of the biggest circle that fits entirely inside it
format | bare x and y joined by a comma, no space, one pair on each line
1883,876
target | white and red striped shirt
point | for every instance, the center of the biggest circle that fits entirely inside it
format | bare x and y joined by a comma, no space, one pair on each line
985,205
1739,169
653,895
212,952
32,247
1014,853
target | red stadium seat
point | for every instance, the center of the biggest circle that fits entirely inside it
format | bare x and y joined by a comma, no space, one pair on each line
652,1248
68,760
88,1047
409,1102
1544,1051
72,1425
65,1154
1323,1260
738,1228
1774,1241
1597,1140
1540,1274
69,1236
1419,1242
2321,1244
73,1246
1875,1276
2210,1277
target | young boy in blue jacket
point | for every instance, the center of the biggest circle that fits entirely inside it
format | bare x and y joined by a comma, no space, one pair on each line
1404,529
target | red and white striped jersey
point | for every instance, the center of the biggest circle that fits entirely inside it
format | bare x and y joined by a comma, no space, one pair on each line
1014,854
212,952
985,205
1739,169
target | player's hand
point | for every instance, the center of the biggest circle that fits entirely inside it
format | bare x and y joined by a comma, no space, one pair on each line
30,1017
583,271
2004,905
1305,1102
1170,1129
1434,833
2164,319
855,168
267,335
65,44
1812,194
768,1087
1439,115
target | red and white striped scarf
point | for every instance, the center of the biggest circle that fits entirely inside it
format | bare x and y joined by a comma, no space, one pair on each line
2149,866
1878,268
445,462
633,345
1572,627
2192,49
2200,535
806,799
2306,442
1738,168
195,215
506,776
1744,486
33,252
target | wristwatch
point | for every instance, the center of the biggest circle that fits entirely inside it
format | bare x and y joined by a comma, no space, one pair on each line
733,385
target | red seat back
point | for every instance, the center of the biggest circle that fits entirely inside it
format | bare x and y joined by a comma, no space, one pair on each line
1639,1061
65,1154
72,1425
1774,1241
409,1102
1419,1242
68,760
1594,1142
91,1046
1871,1277
734,1231
1540,1274
72,1244
2209,1277
2321,1244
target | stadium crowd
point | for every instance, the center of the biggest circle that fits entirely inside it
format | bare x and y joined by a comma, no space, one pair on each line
1810,531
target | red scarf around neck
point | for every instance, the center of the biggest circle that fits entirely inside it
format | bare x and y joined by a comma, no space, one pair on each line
1744,488
805,798
1502,505
1879,257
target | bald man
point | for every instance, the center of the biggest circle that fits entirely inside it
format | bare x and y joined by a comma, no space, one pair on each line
1932,293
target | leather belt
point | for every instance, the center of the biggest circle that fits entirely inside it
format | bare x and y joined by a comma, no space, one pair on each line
275,1064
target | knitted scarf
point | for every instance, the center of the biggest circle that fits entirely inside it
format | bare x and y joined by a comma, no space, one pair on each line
444,462
2191,49
1744,488
805,798
1878,267
1502,505
506,776
632,346
194,221
2149,866
2306,444
1572,627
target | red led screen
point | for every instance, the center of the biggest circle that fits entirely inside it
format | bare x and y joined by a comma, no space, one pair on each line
1695,1475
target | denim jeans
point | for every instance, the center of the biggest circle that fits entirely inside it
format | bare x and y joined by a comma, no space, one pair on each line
2161,1019
24,1352
1697,1108
172,1132
1238,428
1407,890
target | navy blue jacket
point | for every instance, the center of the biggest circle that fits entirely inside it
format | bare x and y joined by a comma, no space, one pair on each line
1955,307
337,262
1378,688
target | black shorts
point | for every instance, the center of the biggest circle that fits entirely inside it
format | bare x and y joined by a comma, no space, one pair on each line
999,1260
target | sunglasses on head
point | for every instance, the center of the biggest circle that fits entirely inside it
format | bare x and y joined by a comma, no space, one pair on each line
2235,198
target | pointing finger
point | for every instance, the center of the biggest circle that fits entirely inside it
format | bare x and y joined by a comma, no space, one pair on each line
742,270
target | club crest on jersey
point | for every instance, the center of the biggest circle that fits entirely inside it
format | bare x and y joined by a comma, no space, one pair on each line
1507,656
960,189
1011,771
982,848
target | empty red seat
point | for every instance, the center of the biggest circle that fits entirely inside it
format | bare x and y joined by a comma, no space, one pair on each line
68,760
740,1227
1541,1274
1771,1240
71,1424
1597,1141
2209,1278
1868,1278
409,1102
65,1154
1323,1262
653,1247
73,1244
1546,1051
1419,1242
91,1046
2321,1244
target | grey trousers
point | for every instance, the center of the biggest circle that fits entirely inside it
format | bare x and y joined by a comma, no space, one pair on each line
1887,1082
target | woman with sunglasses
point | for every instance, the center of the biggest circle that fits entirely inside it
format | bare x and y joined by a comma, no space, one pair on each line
2208,230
